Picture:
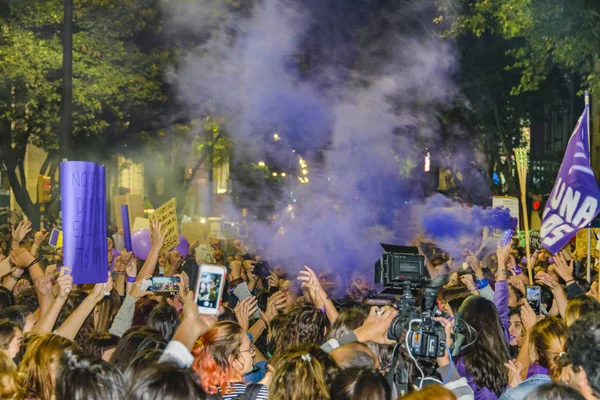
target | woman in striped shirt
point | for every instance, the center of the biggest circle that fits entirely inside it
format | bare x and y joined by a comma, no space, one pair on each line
222,356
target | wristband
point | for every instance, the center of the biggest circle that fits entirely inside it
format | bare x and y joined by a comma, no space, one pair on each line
568,282
131,279
322,309
16,278
37,260
518,270
481,283
502,271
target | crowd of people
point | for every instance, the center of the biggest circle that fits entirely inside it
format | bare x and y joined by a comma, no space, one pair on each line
296,337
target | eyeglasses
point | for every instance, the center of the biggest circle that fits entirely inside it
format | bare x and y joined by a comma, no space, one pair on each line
252,350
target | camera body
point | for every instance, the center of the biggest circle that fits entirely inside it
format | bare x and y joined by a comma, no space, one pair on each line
402,270
426,337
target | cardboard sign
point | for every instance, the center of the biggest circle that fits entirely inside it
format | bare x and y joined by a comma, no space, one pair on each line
193,231
140,223
535,242
167,216
581,241
512,204
135,205
83,195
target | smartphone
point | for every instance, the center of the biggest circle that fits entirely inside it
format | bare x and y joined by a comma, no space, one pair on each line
209,288
165,284
241,291
534,297
55,237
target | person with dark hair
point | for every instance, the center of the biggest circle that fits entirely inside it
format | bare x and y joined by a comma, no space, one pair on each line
304,325
359,384
143,308
452,298
81,376
165,382
20,315
141,361
554,391
11,337
483,363
134,341
547,298
101,345
29,299
583,350
515,330
6,298
165,319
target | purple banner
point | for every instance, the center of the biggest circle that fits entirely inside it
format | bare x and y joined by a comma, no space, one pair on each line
573,202
126,228
83,193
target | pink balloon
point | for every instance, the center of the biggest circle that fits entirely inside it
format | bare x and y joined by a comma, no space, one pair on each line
184,247
141,243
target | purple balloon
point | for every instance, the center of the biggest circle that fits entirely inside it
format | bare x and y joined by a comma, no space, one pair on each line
184,247
141,243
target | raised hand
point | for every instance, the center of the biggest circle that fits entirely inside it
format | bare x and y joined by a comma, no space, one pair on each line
244,309
44,284
514,373
64,282
157,234
40,237
21,231
136,290
564,269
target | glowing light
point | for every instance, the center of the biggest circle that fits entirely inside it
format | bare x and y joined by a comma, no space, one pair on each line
202,221
328,179
304,172
276,137
305,180
294,200
274,173
427,167
283,174
261,164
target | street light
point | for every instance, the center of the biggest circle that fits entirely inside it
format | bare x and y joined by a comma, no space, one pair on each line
261,164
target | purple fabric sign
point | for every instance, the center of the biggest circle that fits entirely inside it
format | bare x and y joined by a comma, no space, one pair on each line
126,228
573,202
83,193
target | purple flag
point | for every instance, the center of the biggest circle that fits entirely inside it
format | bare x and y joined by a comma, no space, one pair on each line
573,202
83,193
126,228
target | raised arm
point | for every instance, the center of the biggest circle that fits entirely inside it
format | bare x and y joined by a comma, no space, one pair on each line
72,325
47,320
158,238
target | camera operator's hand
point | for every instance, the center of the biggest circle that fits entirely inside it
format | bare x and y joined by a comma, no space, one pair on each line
448,328
375,327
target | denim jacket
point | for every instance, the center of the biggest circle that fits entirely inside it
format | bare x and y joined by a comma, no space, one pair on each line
521,391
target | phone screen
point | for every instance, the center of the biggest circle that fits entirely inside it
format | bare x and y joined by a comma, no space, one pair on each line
534,297
164,284
208,289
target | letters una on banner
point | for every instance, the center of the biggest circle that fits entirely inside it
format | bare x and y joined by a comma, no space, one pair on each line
573,202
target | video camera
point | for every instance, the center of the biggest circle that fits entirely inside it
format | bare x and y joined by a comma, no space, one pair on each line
401,269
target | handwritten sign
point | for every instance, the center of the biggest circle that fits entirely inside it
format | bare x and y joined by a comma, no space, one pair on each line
581,241
193,231
512,204
167,216
83,193
535,242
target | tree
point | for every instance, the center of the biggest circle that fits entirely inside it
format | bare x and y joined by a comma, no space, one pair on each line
118,84
547,34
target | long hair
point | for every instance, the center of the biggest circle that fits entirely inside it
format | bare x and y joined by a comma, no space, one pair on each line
36,364
134,341
304,325
84,377
486,358
74,300
579,307
8,330
548,339
213,353
100,342
10,379
298,376
107,308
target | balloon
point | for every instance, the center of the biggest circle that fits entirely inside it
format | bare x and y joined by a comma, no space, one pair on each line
184,247
141,243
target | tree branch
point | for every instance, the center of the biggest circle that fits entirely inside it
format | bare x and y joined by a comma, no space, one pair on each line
201,161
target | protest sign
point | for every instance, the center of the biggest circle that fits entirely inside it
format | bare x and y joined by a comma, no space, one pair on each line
193,231
534,240
573,202
135,206
510,203
83,193
167,216
581,243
